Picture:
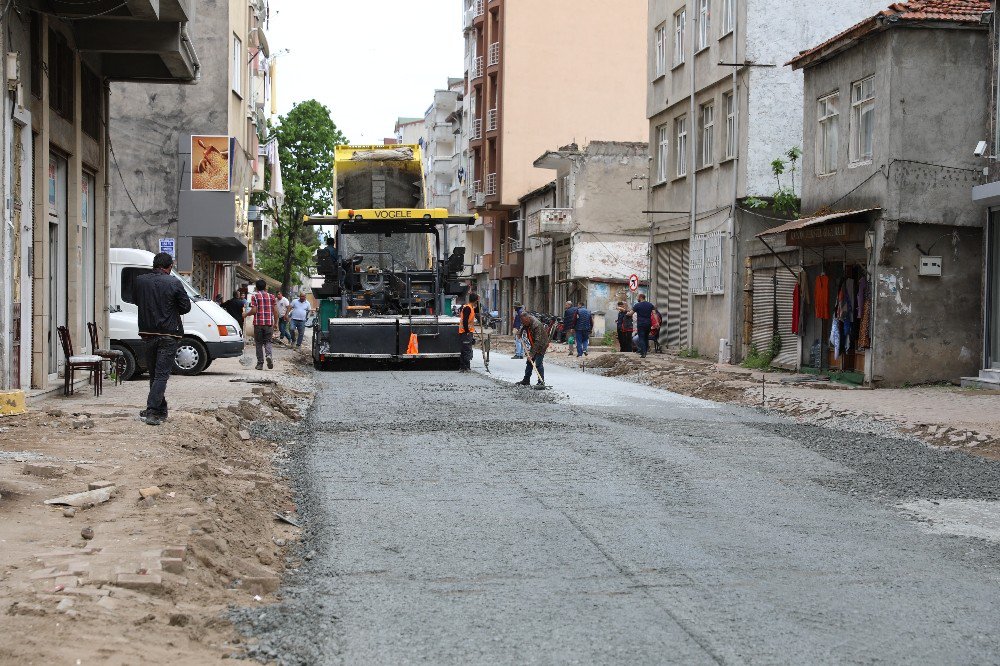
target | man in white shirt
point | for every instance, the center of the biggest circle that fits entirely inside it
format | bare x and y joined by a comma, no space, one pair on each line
283,331
299,312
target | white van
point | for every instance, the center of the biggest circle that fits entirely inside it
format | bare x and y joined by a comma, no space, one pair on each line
209,331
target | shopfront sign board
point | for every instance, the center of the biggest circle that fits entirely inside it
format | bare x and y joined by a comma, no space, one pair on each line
826,234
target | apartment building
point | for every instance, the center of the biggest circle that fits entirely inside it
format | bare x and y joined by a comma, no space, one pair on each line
56,166
541,74
410,130
721,107
191,156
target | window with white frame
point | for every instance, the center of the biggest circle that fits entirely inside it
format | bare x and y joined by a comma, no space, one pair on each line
828,135
730,106
662,150
661,49
237,73
707,155
680,19
728,16
863,119
680,147
703,24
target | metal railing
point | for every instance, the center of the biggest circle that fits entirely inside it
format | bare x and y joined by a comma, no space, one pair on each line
494,54
516,245
479,7
491,184
477,129
477,186
492,123
477,67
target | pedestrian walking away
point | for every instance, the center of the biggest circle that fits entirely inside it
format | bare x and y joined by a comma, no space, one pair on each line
264,310
624,327
582,328
234,306
161,300
569,320
538,342
283,327
298,313
518,345
643,310
467,332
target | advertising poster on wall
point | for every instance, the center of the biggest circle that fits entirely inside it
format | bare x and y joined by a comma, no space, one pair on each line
211,167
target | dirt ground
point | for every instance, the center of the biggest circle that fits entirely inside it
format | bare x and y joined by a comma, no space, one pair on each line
189,528
940,415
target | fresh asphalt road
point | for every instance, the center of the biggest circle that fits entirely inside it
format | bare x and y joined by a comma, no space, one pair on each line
458,519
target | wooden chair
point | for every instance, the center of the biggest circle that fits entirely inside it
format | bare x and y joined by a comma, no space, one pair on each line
87,362
114,358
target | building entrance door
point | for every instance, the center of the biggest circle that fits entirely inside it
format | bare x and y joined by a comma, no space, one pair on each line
56,259
992,336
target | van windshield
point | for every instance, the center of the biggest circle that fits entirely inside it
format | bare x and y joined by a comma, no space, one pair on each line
191,291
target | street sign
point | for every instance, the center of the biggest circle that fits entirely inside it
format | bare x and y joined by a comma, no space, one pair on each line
167,246
633,282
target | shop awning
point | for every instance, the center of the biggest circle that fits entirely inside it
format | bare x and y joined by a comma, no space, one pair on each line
251,276
803,222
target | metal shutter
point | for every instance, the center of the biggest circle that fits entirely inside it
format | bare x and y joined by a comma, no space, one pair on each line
671,292
772,289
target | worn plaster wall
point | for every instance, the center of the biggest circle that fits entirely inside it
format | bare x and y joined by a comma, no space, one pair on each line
777,30
146,122
928,329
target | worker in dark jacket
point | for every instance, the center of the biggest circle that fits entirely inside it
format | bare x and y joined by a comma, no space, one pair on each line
569,320
624,328
161,300
582,328
467,332
538,342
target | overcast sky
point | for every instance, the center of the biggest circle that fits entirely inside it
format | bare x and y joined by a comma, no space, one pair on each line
369,61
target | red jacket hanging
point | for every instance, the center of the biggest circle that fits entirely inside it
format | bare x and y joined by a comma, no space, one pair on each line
822,299
796,309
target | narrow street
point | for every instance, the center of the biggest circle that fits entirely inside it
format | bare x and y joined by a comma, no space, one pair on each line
458,519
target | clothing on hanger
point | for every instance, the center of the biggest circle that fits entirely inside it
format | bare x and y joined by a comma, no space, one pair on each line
822,295
796,308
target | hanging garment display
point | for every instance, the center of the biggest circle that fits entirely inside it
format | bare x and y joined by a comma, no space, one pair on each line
822,295
864,335
862,296
850,296
835,338
796,309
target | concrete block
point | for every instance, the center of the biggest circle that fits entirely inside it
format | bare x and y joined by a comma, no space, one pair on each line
44,470
174,565
151,491
179,552
140,582
97,485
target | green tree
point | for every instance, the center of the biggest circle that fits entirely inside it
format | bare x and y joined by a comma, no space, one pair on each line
306,139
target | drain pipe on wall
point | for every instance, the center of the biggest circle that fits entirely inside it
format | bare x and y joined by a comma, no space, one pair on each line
691,134
734,270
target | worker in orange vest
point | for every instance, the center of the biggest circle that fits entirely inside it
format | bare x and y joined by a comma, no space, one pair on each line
466,332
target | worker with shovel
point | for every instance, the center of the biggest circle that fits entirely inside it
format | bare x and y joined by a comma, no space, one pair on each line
537,343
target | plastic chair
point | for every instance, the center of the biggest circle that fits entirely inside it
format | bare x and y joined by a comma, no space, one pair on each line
87,362
113,357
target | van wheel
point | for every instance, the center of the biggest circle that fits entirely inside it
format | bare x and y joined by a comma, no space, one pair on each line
191,357
131,366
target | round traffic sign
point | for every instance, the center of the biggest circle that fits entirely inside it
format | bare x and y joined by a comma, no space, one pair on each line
633,282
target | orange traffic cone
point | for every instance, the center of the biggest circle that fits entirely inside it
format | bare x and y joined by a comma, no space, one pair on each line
412,347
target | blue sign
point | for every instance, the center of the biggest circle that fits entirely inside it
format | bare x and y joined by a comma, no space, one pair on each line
167,246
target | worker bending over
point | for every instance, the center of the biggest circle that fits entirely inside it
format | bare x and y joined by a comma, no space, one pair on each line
538,344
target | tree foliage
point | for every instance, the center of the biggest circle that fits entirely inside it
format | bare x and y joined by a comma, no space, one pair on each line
306,138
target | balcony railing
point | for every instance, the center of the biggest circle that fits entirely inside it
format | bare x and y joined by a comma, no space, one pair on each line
477,129
477,187
550,223
494,54
477,67
491,184
479,8
492,120
516,245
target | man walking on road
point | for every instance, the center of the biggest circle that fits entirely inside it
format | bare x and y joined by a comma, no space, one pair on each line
264,310
643,310
569,320
283,327
234,306
161,300
298,312
583,327
467,331
518,346
538,341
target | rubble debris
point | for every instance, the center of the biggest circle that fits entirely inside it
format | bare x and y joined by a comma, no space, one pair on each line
86,498
44,470
69,513
87,533
285,519
97,485
151,491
